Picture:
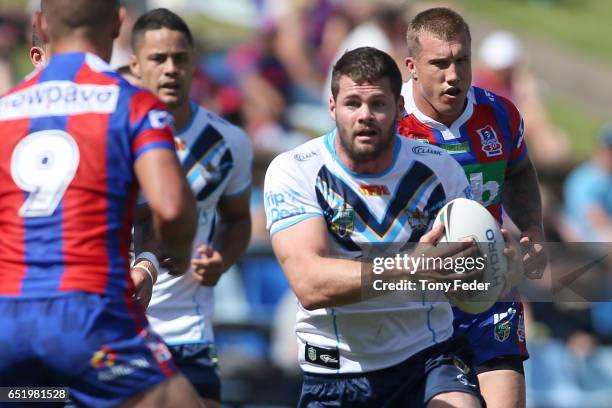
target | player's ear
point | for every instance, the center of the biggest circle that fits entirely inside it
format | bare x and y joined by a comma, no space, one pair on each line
332,107
134,66
411,67
37,56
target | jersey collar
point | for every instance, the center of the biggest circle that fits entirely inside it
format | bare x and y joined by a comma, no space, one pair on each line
449,133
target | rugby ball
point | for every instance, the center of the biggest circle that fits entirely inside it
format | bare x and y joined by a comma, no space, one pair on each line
464,218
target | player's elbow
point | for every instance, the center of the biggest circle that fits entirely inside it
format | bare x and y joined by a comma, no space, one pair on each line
310,301
176,213
310,296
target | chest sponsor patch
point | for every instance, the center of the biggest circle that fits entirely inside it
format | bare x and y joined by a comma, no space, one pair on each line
456,148
374,190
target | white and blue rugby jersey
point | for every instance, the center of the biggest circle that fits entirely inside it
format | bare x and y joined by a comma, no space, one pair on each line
216,157
395,206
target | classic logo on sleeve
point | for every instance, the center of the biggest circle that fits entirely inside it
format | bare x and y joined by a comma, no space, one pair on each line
422,150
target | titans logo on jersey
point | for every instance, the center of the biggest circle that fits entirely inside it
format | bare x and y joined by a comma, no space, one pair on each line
486,139
359,211
71,135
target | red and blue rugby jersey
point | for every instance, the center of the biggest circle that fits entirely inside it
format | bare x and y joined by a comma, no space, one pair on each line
70,137
486,139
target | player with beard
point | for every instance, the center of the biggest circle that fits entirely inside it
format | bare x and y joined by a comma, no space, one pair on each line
328,203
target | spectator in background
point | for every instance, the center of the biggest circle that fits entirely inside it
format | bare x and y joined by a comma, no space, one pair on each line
503,71
383,26
588,194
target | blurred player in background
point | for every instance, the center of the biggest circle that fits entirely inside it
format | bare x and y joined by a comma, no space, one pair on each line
216,158
336,197
78,142
588,194
484,133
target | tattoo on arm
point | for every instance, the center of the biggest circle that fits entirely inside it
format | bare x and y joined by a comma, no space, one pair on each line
521,196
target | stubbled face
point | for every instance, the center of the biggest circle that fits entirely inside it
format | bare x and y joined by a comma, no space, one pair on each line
366,116
164,64
442,75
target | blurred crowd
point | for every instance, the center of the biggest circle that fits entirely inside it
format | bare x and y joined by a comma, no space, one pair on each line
275,85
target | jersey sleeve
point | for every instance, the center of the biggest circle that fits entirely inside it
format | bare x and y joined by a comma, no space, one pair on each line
457,185
289,196
151,125
242,149
518,147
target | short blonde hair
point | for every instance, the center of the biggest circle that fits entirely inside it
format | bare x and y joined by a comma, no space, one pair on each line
441,22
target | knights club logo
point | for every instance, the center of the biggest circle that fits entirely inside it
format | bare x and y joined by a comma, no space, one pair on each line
490,142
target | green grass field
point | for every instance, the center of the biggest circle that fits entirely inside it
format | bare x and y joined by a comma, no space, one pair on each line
582,25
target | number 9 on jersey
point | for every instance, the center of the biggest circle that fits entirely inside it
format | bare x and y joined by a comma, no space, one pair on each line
43,164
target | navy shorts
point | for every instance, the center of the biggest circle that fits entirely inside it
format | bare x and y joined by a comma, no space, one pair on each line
198,362
444,367
499,332
98,347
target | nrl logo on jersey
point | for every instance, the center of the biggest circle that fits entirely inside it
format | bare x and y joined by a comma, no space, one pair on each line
490,143
312,353
343,222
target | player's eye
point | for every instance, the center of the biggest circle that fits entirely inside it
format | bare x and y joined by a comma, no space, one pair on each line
378,104
180,59
440,64
159,59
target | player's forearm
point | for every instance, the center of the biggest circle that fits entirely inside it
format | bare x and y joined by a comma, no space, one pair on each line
522,201
321,282
232,239
176,232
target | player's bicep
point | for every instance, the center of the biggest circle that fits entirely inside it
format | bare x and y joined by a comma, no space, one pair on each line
299,245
